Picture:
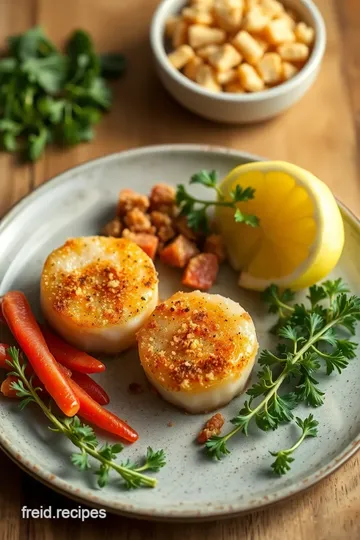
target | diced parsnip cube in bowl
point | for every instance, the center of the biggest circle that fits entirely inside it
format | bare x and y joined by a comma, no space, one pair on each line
199,36
278,31
226,58
263,44
294,52
272,8
234,88
250,49
250,4
205,76
180,34
228,14
181,56
304,33
205,52
250,79
289,70
194,15
238,47
288,20
191,68
226,77
270,68
255,20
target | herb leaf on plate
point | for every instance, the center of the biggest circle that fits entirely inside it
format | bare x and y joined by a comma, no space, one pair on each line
284,458
84,438
309,338
196,210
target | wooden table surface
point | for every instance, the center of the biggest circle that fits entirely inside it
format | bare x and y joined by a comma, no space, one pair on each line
321,133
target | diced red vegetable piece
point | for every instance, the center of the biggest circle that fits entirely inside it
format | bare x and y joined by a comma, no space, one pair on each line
147,242
201,271
179,252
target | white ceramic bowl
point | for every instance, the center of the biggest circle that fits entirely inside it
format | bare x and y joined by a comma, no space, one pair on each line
237,108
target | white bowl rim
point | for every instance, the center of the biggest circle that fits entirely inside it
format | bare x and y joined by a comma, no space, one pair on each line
157,45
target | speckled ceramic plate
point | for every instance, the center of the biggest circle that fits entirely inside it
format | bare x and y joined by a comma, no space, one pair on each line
78,203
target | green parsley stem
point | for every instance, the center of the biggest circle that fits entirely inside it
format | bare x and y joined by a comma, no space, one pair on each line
282,307
283,376
321,353
297,444
123,471
229,204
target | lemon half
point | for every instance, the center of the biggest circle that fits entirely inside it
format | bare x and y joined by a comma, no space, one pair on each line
301,234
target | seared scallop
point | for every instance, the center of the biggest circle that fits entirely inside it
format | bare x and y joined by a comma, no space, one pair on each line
97,292
198,350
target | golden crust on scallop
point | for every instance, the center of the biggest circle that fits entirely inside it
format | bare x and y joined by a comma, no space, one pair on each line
113,285
193,342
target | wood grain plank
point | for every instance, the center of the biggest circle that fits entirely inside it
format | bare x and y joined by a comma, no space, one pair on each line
15,180
349,21
10,499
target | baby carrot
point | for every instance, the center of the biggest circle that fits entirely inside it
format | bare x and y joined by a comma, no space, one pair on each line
25,329
91,387
70,356
92,412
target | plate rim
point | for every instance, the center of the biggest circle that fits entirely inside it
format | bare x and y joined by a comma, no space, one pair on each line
130,510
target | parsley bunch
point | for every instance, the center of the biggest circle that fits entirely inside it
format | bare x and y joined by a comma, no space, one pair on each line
196,210
47,96
84,438
311,338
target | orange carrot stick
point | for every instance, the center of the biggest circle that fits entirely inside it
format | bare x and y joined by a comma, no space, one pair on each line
98,416
70,356
25,329
91,387
89,408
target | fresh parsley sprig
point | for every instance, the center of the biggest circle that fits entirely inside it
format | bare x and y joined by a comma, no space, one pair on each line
84,438
310,337
196,210
49,96
281,465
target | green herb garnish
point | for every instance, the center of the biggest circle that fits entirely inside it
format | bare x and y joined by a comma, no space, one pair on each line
310,338
281,465
196,210
83,436
47,96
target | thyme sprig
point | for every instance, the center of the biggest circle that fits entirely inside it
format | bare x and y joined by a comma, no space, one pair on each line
310,337
84,438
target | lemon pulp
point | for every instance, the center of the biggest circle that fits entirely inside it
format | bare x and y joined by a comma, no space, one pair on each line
300,236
